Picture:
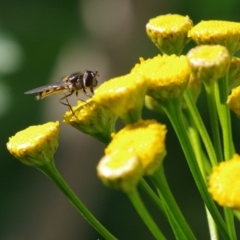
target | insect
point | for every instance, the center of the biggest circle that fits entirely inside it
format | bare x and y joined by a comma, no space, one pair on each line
69,84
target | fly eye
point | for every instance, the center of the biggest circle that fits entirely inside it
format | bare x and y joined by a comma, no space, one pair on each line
88,78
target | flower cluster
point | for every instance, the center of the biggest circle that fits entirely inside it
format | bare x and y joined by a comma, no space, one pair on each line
136,150
168,83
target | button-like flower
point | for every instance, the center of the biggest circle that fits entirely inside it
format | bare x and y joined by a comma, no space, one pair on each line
36,145
224,183
120,170
123,96
215,32
209,63
167,76
145,139
234,101
169,32
93,119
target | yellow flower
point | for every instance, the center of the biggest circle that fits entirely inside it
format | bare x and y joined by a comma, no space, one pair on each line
169,32
123,96
234,101
215,32
234,73
36,145
224,183
144,139
120,170
209,63
92,119
167,76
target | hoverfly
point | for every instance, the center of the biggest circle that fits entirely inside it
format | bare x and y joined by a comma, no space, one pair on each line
69,84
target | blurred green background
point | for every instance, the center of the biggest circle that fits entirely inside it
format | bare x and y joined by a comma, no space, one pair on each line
42,41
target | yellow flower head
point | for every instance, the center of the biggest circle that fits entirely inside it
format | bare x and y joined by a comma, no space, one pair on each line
234,73
169,32
209,63
234,101
167,76
36,145
144,139
120,170
92,119
224,183
123,96
215,32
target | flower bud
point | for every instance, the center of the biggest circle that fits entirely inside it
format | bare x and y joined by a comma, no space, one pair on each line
209,63
120,170
36,145
123,96
145,139
169,32
214,32
167,76
92,119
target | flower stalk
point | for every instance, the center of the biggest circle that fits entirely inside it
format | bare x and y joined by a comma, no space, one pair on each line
173,111
51,171
146,217
179,225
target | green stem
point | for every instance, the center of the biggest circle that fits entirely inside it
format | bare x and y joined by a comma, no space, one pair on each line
193,134
212,226
173,110
204,167
201,128
152,195
142,211
203,164
224,117
229,218
214,120
50,170
179,225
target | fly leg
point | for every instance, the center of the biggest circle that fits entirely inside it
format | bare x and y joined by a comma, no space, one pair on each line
81,99
85,92
67,104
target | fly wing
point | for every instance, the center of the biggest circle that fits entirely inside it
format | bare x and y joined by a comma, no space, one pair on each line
49,90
